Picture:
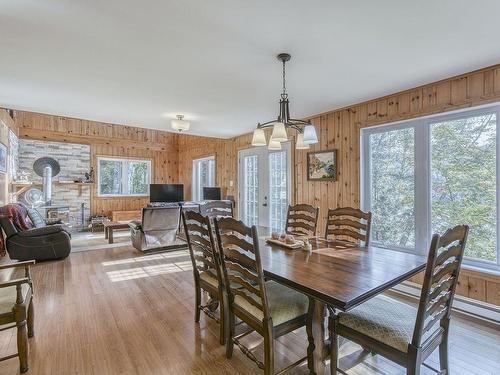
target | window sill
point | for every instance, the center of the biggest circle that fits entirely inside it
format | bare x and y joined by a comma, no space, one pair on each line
489,270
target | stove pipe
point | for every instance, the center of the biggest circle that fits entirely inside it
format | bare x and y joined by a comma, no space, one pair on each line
47,185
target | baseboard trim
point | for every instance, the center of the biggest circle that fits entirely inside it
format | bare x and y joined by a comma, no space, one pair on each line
468,306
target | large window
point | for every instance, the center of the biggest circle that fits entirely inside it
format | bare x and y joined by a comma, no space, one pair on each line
426,175
203,176
123,177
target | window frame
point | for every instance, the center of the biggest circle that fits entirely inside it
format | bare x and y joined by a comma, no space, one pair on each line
195,181
422,181
124,181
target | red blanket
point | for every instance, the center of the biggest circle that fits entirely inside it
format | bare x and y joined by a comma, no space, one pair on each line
18,214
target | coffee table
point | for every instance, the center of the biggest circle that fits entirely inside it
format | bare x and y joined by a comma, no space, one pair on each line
110,226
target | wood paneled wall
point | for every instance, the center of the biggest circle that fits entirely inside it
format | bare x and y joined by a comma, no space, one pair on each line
108,140
340,129
192,148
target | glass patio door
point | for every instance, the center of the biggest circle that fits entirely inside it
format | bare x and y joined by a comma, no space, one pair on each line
264,186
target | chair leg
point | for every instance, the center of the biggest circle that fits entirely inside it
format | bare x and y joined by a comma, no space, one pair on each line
334,344
268,353
414,362
443,351
413,369
31,319
22,345
230,334
222,320
197,310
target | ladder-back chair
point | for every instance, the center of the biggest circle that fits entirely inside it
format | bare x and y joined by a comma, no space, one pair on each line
268,308
301,220
206,267
348,224
399,332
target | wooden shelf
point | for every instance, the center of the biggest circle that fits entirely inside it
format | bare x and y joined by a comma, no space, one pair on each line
19,188
25,184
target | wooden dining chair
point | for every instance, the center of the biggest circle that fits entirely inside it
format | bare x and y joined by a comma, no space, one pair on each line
397,331
206,267
348,224
222,208
268,308
16,307
301,220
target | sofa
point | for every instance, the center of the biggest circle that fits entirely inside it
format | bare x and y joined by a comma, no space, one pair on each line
45,242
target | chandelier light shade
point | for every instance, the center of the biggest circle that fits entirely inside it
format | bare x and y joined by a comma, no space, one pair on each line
300,145
274,145
285,122
279,132
259,138
180,124
310,136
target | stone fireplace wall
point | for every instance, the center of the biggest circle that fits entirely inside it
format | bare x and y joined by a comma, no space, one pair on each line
74,160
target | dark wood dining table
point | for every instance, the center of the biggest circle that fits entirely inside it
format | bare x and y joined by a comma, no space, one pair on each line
337,275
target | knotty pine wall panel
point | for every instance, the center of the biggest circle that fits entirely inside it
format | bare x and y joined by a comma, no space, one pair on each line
108,140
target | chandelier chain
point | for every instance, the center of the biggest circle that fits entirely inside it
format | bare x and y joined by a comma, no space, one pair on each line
284,79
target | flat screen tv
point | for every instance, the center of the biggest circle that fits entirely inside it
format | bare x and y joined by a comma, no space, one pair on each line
211,193
166,193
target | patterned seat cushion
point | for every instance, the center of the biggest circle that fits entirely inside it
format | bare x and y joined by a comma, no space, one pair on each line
284,304
8,297
210,279
386,320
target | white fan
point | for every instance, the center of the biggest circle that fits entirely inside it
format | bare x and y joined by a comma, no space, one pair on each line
34,197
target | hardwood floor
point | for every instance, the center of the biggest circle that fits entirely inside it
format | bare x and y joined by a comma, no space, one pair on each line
116,311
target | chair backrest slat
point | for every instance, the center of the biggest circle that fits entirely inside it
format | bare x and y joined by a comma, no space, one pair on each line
453,251
348,224
239,269
237,257
213,209
201,244
444,271
199,240
236,279
241,265
302,220
345,232
440,281
235,241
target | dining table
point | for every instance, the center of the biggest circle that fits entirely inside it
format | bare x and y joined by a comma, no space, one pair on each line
336,276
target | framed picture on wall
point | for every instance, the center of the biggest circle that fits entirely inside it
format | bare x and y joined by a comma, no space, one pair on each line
322,165
3,158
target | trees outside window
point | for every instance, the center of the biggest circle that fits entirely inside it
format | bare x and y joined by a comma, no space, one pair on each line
423,176
118,177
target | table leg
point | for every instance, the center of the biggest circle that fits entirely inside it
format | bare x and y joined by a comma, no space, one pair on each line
110,235
316,336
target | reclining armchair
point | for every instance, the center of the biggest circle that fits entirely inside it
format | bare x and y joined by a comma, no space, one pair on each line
43,243
158,229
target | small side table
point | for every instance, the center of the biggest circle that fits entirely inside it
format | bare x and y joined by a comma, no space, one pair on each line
110,226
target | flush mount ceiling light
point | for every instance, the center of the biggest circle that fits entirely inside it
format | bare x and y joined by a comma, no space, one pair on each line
306,131
179,124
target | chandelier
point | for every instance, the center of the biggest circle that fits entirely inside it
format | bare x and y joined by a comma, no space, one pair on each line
306,131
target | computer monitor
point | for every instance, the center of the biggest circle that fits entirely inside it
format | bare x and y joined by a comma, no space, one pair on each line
166,193
212,193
